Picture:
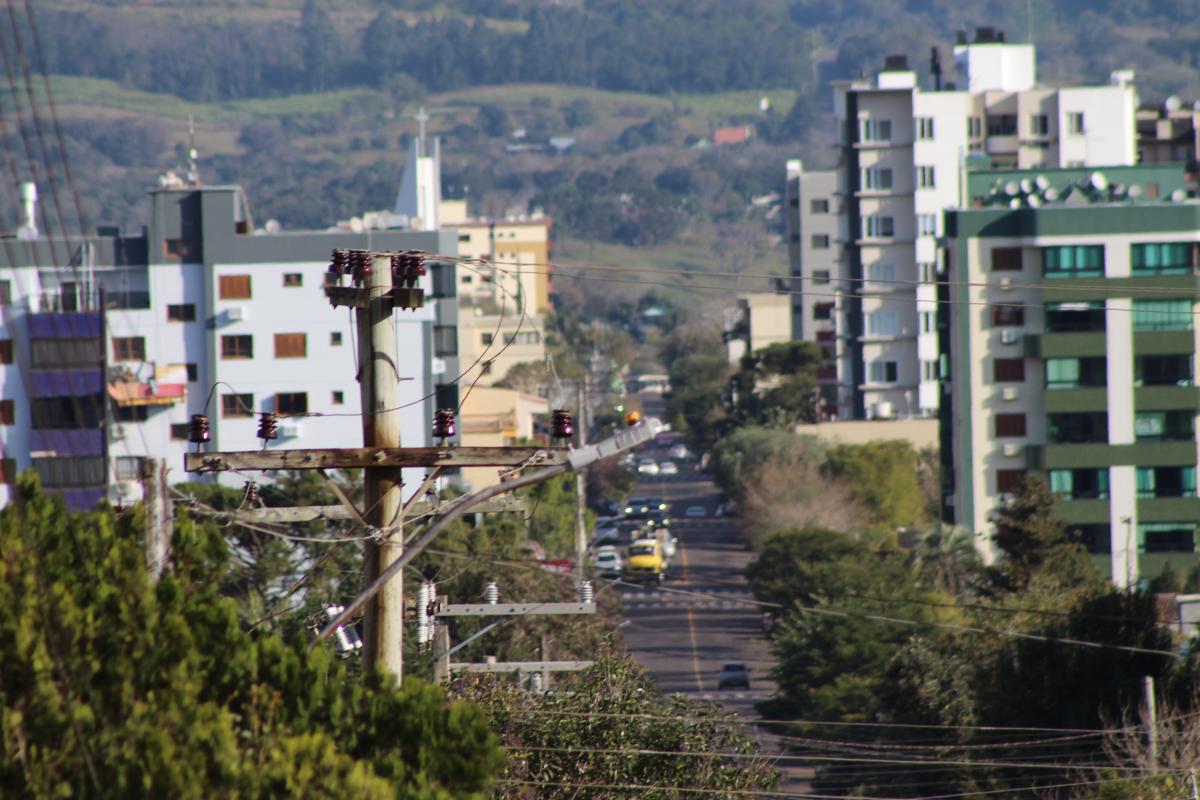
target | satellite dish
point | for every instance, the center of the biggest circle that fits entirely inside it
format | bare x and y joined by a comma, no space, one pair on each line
1135,191
1051,194
1178,196
1034,201
1011,188
1041,182
1014,203
356,225
272,226
1026,185
1173,104
1098,181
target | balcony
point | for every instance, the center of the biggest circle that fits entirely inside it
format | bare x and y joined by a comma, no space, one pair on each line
1164,342
1082,456
1067,345
1166,398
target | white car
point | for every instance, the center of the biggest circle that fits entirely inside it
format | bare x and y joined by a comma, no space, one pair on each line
668,468
696,511
679,451
608,562
647,466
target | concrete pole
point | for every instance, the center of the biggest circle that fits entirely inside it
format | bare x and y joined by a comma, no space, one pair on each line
441,651
383,623
1151,721
156,507
581,427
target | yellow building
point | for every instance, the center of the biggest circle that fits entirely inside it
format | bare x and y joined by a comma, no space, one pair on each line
492,417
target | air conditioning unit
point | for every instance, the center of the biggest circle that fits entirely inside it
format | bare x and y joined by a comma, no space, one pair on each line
237,314
1006,283
290,430
1010,393
1009,336
1011,450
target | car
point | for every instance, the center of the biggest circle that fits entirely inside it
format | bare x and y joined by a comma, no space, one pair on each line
608,562
668,468
606,536
695,512
679,452
654,504
647,466
733,675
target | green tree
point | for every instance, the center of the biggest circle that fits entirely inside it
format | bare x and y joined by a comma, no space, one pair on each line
114,686
883,475
1034,541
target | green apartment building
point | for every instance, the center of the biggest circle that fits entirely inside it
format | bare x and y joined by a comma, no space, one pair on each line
1068,339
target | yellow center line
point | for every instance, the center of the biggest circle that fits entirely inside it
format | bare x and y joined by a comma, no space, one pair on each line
691,624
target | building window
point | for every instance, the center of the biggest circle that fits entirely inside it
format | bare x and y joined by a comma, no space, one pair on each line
241,346
291,345
881,272
1167,537
927,270
1008,370
878,227
926,224
1004,316
293,279
883,323
335,339
925,178
179,431
193,372
1006,259
524,337
6,351
129,348
1076,373
1162,315
1077,428
1010,425
1075,123
820,276
1087,317
5,293
1009,480
487,339
1173,370
178,248
291,403
1164,258
1079,484
182,312
1156,426
928,322
1166,482
875,130
884,372
127,468
974,127
1002,124
820,241
1039,125
819,206
1073,261
823,311
876,179
237,405
925,128
233,287
338,398
131,413
929,371
8,412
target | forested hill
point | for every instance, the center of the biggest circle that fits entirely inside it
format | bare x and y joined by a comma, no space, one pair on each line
228,49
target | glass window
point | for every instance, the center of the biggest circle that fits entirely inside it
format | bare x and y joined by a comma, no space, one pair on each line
1171,370
1007,315
882,272
237,405
1073,261
291,402
1061,482
820,241
1039,125
1062,373
1077,428
1006,259
183,312
1162,315
129,348
1167,537
883,323
1075,122
876,178
876,130
1150,426
1002,124
924,128
884,372
820,276
927,224
925,178
819,206
1163,258
878,227
1075,317
293,279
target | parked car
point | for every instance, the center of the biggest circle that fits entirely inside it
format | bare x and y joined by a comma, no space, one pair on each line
636,505
647,466
694,512
679,452
733,675
668,468
609,562
606,537
655,504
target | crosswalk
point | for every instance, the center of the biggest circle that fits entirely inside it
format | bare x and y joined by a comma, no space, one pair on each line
703,598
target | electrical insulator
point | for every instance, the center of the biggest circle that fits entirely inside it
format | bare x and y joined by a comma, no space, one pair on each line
561,426
249,493
586,593
337,264
345,637
491,595
360,265
415,267
198,430
425,597
268,425
535,683
633,418
443,423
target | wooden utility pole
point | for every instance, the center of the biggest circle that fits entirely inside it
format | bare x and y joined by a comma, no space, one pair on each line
379,377
156,507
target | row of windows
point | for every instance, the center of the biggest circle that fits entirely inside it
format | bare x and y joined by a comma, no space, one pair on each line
1091,427
237,287
1087,261
133,348
879,179
1174,314
1038,125
880,226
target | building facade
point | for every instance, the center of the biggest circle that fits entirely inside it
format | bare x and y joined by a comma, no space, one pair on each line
902,155
110,343
1069,345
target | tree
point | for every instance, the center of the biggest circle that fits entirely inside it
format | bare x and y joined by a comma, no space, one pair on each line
1034,541
116,686
883,476
613,727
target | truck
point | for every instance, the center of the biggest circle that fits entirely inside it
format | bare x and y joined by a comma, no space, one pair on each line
647,561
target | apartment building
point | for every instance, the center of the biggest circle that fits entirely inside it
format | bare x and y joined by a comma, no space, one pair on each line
1069,349
108,343
902,153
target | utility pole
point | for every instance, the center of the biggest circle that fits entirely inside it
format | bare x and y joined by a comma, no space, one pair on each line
1151,721
581,485
383,618
156,507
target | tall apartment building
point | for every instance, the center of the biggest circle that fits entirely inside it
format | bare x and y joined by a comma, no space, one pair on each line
108,343
1070,342
902,153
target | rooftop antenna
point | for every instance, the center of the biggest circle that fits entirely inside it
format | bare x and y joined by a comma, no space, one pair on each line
193,174
422,118
935,68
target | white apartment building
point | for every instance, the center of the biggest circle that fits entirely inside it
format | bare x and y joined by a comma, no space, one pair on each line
903,153
108,344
